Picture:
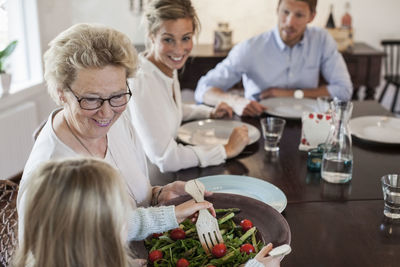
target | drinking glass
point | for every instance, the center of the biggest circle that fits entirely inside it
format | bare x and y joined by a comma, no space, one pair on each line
272,129
323,103
391,195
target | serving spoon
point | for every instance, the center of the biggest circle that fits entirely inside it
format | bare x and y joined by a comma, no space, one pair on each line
280,251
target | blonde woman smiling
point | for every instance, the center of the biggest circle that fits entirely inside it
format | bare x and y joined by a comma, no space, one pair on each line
156,107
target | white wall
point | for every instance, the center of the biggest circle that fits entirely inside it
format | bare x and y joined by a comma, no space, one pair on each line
114,13
372,20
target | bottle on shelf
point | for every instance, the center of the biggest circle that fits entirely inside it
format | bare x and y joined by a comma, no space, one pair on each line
331,22
223,37
347,19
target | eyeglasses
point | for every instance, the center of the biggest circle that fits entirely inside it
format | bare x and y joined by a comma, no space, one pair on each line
92,103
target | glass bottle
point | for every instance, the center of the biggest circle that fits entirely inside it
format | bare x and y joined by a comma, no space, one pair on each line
331,22
346,19
223,37
337,159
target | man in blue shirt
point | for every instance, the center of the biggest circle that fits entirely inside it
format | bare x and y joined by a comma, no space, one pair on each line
284,62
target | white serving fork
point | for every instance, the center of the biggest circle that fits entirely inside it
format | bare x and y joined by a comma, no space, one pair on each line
206,225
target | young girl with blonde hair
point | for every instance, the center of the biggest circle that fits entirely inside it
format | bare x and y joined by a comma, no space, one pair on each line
77,215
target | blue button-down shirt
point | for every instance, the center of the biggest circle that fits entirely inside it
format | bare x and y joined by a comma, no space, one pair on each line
265,61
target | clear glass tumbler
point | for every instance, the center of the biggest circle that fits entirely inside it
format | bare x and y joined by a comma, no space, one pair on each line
391,195
272,129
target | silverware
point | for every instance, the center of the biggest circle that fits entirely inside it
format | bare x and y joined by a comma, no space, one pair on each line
206,225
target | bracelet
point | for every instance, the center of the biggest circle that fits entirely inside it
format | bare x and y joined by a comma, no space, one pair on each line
157,195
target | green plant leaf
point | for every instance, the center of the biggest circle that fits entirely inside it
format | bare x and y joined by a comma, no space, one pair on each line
6,53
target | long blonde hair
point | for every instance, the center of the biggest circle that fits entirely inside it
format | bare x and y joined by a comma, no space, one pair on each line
159,11
75,216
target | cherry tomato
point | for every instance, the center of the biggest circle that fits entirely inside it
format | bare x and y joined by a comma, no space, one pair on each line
246,224
156,235
155,255
247,248
177,233
219,250
182,263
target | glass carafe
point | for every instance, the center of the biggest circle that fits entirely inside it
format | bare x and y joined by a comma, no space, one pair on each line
337,159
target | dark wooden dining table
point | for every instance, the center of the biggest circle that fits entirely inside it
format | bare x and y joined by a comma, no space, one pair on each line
331,224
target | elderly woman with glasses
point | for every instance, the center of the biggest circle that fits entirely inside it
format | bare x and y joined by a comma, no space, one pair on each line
86,69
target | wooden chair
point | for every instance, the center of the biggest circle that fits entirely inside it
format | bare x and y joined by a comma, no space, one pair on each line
392,69
8,221
37,131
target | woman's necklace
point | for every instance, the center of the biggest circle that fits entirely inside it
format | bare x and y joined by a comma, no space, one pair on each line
77,138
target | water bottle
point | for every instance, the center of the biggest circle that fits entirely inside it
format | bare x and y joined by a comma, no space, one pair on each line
337,159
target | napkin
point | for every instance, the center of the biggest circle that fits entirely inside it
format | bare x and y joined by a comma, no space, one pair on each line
315,129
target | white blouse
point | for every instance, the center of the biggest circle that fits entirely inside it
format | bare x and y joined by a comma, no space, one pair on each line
124,153
157,117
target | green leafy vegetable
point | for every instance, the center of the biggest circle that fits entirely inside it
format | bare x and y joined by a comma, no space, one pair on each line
190,248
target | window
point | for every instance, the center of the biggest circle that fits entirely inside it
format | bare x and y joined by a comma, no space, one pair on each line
18,21
3,25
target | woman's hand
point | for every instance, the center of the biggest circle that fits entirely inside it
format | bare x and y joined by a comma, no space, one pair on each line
173,190
190,209
266,260
223,110
238,140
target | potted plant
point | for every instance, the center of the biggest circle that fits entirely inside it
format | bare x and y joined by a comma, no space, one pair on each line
5,78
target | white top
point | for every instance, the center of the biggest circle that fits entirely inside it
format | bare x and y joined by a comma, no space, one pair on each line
157,117
124,153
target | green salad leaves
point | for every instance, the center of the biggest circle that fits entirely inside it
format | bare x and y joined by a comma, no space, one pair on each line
171,247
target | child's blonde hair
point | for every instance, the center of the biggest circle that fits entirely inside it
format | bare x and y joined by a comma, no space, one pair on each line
75,216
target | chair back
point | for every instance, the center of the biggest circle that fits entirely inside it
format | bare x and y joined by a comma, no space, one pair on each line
392,59
8,221
37,131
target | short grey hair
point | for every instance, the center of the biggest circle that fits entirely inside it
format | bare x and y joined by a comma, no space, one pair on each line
85,46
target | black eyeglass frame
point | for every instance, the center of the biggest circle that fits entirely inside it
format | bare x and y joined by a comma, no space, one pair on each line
80,99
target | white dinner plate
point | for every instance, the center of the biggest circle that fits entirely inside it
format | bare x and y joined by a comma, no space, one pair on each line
379,129
212,132
247,186
288,107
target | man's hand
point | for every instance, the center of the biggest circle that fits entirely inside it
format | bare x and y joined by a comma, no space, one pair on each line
253,109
